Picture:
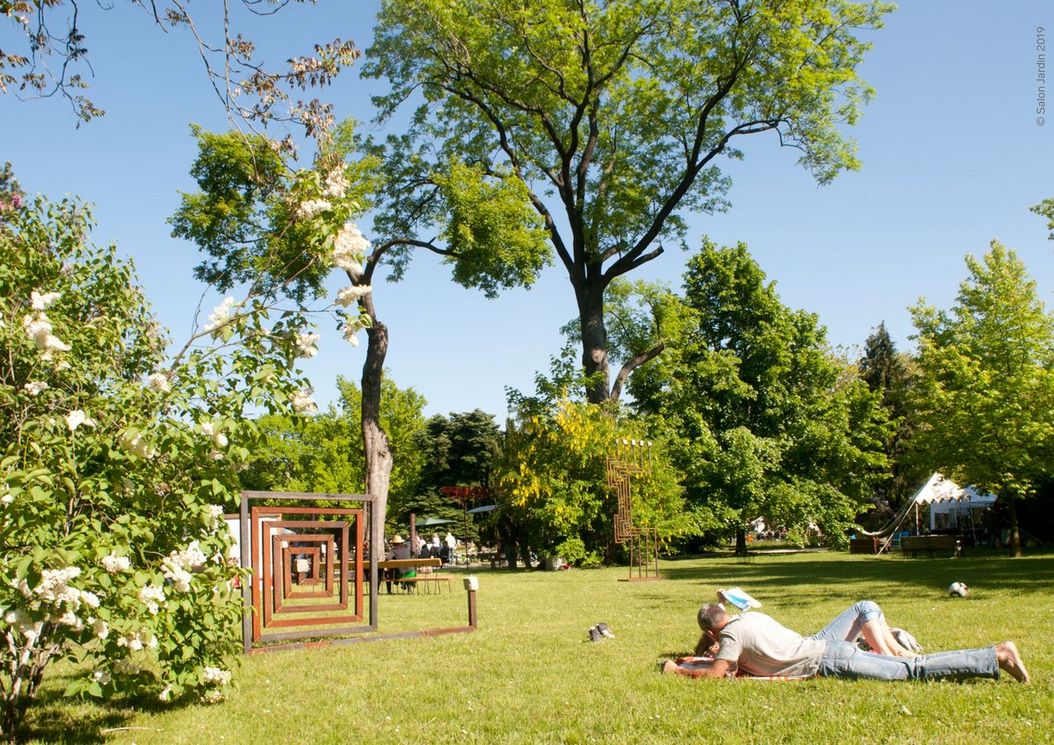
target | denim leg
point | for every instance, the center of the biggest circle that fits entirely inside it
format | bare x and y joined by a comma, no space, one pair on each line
845,660
847,625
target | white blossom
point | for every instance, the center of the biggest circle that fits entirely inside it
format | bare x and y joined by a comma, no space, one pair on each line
349,295
114,564
349,249
158,382
336,184
212,519
215,676
166,694
100,628
69,618
221,314
302,402
311,207
214,430
102,677
76,418
151,596
137,445
41,302
34,389
306,345
54,587
212,696
89,598
7,498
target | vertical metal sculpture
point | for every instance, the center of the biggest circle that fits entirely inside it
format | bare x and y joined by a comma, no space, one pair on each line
632,457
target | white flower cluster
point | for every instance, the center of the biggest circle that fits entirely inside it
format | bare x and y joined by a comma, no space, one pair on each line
213,517
336,184
35,388
114,564
38,328
349,249
311,207
178,565
42,302
18,619
135,642
215,676
7,497
214,430
77,418
152,596
221,314
350,295
137,444
307,345
302,402
350,329
55,590
158,382
100,628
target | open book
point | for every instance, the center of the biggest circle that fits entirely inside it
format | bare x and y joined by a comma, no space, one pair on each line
737,598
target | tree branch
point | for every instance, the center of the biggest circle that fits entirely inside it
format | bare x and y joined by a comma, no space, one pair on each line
631,365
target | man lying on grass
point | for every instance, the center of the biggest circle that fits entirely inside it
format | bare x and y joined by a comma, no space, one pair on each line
756,645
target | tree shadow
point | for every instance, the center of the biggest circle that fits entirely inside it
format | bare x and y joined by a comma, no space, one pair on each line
56,718
801,580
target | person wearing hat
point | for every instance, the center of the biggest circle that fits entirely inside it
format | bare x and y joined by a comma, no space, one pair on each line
400,549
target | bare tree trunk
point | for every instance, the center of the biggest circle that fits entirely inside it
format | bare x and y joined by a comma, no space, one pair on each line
374,438
590,296
741,541
1015,532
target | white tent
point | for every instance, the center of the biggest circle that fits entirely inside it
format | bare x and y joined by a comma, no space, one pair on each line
951,506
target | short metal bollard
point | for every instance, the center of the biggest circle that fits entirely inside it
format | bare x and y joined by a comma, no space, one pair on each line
471,585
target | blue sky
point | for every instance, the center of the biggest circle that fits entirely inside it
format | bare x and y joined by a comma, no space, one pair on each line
952,158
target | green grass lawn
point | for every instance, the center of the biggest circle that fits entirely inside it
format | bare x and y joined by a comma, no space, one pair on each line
528,675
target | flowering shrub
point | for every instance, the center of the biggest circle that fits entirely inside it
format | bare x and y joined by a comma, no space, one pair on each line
117,462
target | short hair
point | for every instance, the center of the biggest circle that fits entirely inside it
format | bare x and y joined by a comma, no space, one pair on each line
711,615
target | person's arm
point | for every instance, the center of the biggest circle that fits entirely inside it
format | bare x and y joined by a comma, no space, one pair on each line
715,669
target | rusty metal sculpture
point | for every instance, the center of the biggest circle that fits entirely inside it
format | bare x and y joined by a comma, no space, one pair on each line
327,601
632,457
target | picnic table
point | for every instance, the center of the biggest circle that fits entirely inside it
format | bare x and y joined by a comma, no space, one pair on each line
914,544
428,578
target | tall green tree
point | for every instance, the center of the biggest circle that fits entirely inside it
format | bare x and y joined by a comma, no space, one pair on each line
888,373
614,116
763,421
986,389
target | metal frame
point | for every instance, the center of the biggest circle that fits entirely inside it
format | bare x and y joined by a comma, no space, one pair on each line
253,546
633,457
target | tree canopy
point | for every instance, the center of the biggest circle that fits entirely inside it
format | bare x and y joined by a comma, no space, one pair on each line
763,422
986,385
613,116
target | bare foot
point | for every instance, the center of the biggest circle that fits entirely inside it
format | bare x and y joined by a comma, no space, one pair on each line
669,667
1010,661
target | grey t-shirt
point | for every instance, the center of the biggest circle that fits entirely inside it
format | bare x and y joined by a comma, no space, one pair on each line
763,647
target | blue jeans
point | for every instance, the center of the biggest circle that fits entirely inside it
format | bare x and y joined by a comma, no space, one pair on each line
847,625
843,659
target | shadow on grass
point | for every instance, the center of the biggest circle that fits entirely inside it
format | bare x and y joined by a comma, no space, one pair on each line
55,718
796,578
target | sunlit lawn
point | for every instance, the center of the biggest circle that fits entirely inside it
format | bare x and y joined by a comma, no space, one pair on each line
528,675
